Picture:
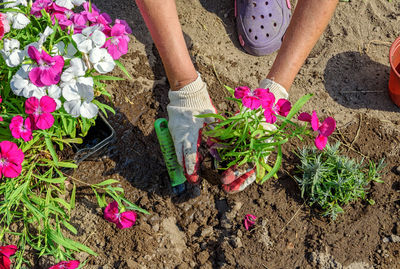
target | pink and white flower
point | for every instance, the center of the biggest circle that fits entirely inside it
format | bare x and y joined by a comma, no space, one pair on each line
40,111
66,265
122,220
11,158
20,128
117,45
21,85
271,109
48,70
324,129
252,98
38,5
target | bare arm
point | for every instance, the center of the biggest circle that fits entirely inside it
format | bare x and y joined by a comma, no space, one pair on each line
309,20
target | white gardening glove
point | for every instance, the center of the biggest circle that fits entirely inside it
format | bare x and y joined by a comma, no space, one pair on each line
277,89
185,128
236,179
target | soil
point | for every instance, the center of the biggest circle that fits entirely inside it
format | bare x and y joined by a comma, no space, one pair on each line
347,72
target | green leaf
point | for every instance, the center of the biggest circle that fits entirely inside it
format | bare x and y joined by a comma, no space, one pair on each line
106,182
296,108
72,200
119,64
51,149
230,90
276,167
211,115
104,77
68,165
69,227
132,206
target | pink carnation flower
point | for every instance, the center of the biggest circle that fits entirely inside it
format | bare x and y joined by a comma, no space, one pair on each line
122,220
282,107
49,70
66,265
11,158
252,98
324,129
38,5
249,221
4,25
5,253
39,111
118,44
21,129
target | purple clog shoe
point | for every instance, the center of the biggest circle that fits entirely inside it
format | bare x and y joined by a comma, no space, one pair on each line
261,24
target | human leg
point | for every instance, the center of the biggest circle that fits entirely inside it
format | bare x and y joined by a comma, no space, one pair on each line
162,21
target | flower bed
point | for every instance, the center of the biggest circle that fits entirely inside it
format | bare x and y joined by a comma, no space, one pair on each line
55,59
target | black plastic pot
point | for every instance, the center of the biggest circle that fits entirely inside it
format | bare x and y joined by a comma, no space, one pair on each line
96,141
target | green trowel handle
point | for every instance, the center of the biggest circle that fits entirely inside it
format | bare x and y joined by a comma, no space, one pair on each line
175,171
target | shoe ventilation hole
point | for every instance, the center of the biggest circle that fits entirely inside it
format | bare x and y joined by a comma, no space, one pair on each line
253,17
249,30
262,26
270,15
262,16
255,37
267,35
254,4
275,24
266,3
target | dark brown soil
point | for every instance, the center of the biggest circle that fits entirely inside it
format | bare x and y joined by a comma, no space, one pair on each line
204,229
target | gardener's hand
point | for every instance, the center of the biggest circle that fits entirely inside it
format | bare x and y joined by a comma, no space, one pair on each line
185,128
277,89
236,179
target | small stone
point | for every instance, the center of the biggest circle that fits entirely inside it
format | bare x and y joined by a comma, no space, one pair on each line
395,238
236,242
386,240
207,232
132,264
183,266
192,228
398,170
203,257
290,246
239,233
156,227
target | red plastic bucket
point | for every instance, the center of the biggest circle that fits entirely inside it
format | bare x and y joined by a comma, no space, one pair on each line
394,77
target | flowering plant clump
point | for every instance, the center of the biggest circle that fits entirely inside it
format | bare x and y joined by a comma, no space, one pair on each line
54,59
260,127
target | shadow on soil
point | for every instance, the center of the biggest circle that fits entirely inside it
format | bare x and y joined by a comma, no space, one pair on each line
225,10
355,81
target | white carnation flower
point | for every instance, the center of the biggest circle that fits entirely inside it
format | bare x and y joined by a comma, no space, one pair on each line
11,52
102,60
